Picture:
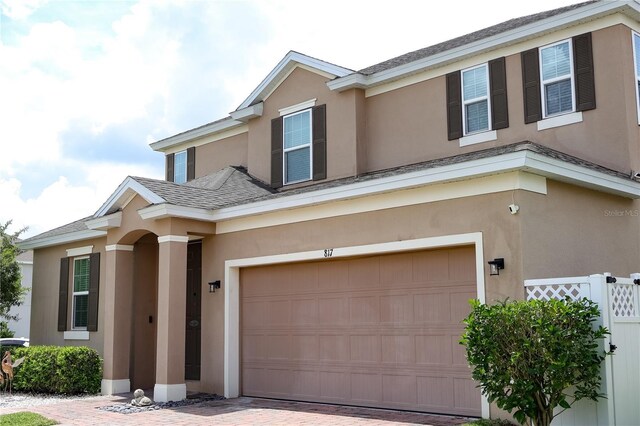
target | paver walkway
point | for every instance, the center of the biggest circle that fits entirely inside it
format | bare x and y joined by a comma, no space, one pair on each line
238,411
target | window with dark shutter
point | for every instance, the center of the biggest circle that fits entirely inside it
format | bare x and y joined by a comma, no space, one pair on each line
63,294
170,162
319,142
94,288
498,88
583,69
531,86
454,106
276,152
191,163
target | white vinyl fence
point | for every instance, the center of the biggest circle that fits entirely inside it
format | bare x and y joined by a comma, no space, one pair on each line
619,302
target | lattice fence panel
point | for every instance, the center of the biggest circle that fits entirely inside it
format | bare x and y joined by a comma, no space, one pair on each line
623,300
553,291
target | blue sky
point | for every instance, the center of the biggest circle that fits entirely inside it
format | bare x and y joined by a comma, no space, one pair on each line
86,85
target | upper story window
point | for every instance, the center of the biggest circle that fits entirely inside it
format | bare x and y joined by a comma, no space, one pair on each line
556,70
181,166
475,97
80,293
477,102
636,60
558,80
299,144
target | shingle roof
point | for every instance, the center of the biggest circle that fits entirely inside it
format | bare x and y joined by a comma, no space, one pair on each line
468,38
78,225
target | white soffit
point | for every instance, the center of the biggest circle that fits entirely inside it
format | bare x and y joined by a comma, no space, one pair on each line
106,222
199,132
123,194
573,17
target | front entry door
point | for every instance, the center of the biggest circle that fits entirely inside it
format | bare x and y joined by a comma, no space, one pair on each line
193,327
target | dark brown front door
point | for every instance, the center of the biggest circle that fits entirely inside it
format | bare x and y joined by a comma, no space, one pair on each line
194,291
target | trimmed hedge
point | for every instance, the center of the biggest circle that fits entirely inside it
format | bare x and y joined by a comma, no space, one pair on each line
67,370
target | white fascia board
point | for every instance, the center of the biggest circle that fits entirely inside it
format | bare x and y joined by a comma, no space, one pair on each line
206,130
105,222
62,239
581,176
288,61
162,211
587,12
245,114
126,189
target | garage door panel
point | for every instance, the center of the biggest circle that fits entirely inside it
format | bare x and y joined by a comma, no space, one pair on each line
364,310
377,331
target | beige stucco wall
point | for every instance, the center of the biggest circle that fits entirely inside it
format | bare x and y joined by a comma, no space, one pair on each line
44,297
408,125
217,155
342,133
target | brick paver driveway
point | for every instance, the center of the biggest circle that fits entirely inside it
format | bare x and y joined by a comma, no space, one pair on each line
239,411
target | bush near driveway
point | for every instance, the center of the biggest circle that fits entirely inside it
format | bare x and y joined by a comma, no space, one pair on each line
533,356
66,370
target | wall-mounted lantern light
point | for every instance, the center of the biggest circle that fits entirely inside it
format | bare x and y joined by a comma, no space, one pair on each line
495,265
213,285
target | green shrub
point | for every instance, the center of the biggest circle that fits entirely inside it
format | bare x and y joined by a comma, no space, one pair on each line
527,355
58,369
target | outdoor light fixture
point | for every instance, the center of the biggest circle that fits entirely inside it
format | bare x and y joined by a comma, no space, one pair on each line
495,265
213,285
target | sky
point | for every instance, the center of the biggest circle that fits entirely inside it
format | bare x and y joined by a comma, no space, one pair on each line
86,85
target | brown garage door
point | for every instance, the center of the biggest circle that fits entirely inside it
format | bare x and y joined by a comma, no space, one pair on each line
376,331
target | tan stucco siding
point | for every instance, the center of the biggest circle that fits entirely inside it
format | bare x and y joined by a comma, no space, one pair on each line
217,155
45,291
300,86
409,125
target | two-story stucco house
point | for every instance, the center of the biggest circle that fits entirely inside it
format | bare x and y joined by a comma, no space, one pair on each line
321,243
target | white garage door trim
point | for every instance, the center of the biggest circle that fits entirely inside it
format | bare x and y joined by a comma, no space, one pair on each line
232,290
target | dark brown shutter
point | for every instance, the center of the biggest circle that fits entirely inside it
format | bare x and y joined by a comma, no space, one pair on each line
63,294
94,288
454,106
498,88
191,163
276,152
583,69
319,142
531,86
170,161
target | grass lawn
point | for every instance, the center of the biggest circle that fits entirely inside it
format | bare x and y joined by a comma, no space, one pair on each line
25,418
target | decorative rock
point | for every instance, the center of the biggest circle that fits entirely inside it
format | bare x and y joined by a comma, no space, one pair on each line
130,409
139,400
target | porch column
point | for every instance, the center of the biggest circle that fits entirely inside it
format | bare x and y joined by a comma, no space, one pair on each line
172,281
117,319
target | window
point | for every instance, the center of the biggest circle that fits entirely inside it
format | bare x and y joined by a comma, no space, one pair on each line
477,102
181,166
556,71
558,79
636,59
80,292
297,146
475,98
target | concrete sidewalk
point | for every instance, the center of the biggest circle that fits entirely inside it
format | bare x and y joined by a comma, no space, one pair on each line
238,411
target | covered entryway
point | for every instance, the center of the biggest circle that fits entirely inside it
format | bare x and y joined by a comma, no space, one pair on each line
377,331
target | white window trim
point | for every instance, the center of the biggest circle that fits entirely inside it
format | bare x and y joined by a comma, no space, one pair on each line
474,100
297,107
77,293
175,157
556,79
298,147
478,137
76,335
560,120
636,70
79,251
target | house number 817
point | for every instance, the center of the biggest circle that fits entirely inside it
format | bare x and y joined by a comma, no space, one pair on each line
328,252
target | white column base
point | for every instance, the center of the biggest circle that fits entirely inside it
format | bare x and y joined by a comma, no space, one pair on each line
166,393
111,387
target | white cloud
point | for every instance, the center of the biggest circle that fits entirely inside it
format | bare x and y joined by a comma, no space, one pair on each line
20,9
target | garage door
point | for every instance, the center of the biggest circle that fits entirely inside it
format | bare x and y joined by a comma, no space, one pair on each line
377,331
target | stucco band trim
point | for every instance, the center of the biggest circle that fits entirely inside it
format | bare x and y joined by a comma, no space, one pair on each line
232,288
